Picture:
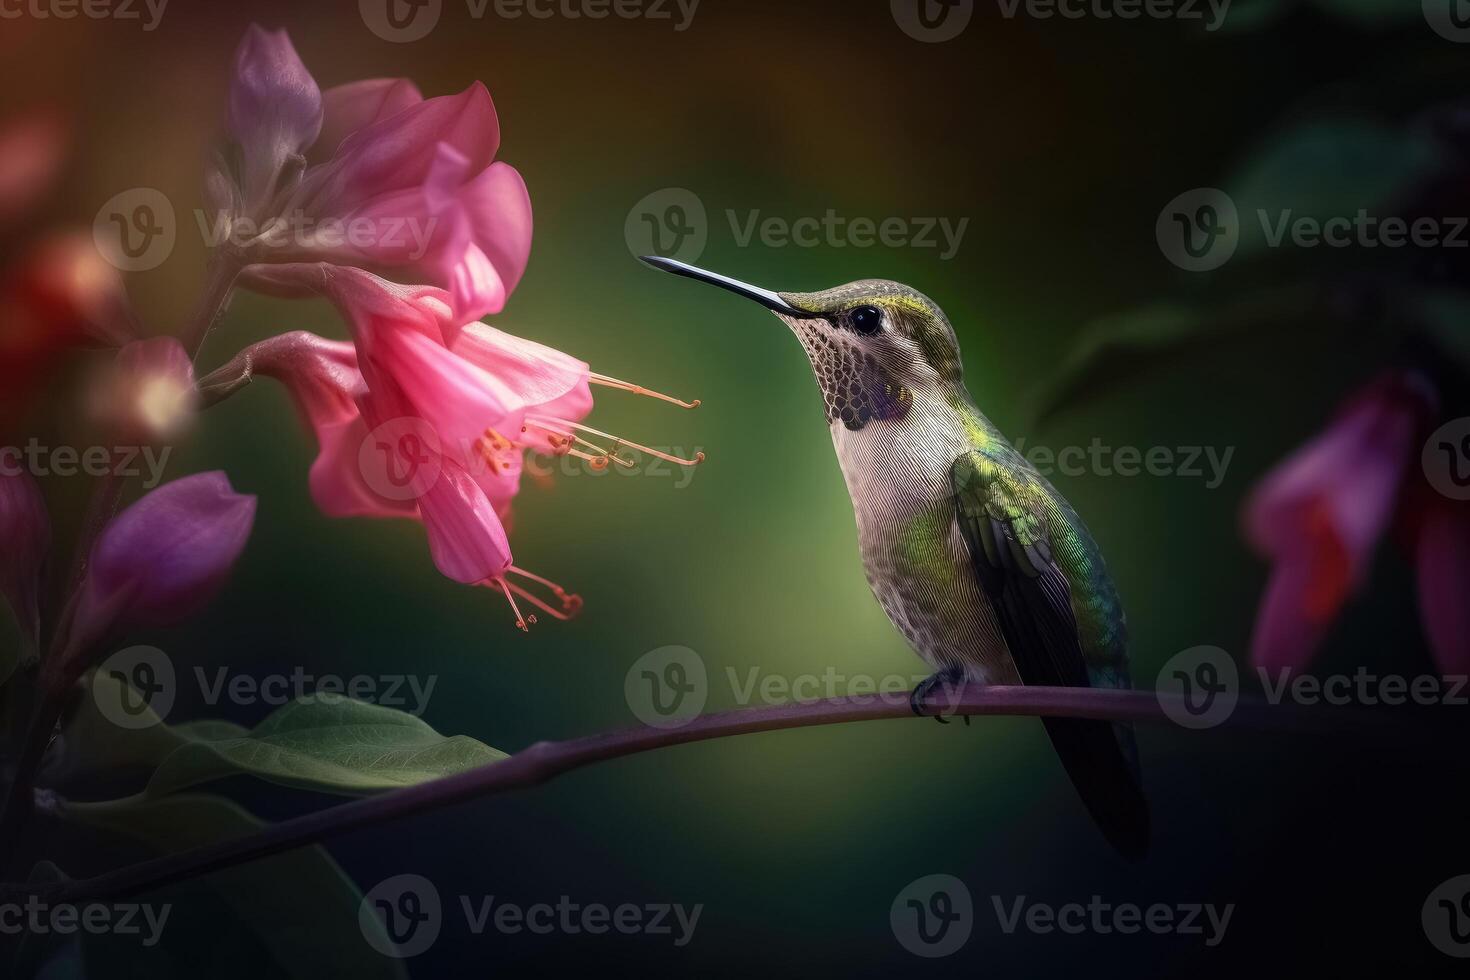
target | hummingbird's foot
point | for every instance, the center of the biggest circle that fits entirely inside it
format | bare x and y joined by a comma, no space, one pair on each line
949,680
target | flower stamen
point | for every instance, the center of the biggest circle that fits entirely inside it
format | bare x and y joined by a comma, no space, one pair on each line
619,442
628,386
522,623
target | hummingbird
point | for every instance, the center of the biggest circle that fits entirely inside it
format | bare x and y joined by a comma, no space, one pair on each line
977,560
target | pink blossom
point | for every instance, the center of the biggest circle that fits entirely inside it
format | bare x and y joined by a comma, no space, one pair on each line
1318,516
444,414
147,394
371,174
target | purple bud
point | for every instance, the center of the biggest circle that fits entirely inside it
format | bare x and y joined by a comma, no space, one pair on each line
275,113
26,531
163,558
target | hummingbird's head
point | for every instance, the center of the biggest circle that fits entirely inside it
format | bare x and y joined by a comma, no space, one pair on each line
875,346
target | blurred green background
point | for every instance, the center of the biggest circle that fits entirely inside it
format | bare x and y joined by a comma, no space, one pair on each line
1059,141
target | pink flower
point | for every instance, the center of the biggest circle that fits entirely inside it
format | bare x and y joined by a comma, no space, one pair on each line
1318,516
370,174
444,414
26,531
162,558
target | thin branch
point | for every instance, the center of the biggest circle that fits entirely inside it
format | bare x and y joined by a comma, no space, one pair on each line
544,761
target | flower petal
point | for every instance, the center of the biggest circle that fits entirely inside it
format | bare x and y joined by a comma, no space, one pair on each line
466,538
275,112
348,108
1319,514
163,557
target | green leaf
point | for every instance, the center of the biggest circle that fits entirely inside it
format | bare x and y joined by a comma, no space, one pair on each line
301,904
330,744
91,744
1329,169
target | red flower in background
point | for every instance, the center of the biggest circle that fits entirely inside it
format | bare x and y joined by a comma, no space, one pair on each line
1319,515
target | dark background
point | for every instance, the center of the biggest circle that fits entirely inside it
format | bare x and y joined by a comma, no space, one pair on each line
1060,141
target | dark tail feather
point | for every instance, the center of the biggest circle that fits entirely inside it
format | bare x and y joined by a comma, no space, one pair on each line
1101,760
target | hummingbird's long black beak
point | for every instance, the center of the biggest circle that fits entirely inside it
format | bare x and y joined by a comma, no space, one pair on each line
765,297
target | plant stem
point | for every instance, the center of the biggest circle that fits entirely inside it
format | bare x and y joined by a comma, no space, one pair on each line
543,761
57,679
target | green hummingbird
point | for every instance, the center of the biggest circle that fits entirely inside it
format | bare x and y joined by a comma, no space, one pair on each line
978,561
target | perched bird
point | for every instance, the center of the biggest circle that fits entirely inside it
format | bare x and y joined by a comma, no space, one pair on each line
977,560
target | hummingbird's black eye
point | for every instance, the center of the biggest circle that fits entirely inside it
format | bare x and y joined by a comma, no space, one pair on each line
867,320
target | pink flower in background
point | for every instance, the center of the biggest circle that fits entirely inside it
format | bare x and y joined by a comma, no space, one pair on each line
433,417
1319,515
370,174
26,530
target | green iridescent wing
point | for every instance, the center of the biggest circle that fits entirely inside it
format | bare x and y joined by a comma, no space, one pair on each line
1002,512
1005,512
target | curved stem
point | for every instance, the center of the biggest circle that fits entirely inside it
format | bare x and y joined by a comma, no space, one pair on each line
544,761
18,803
